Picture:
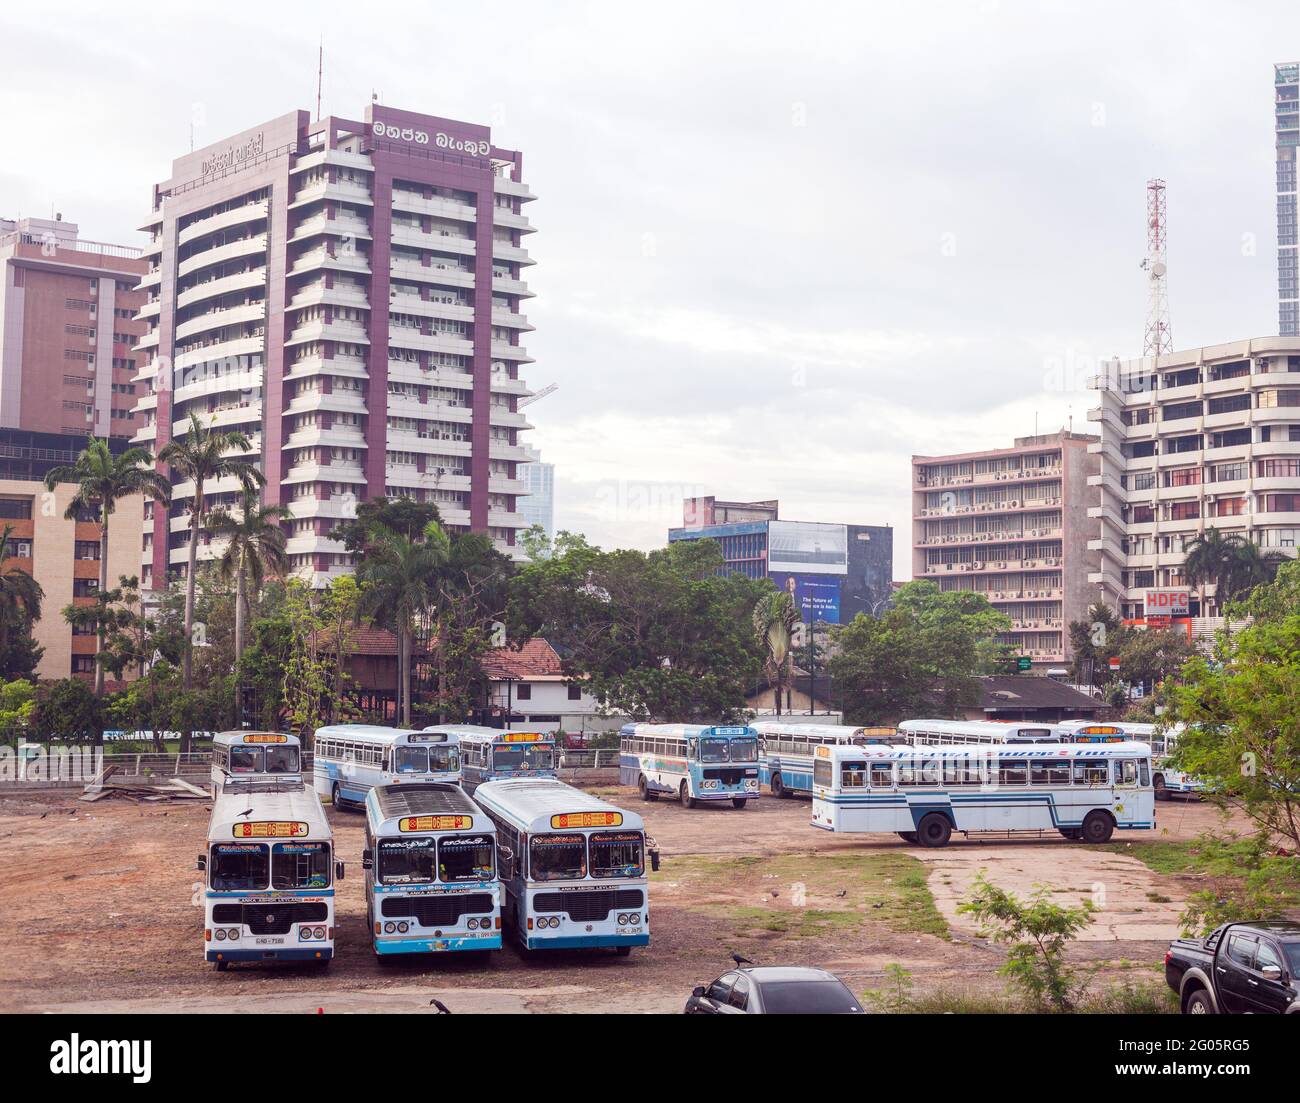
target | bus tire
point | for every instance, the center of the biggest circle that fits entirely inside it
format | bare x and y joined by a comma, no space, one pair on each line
1097,827
934,830
684,795
222,966
739,802
1158,784
644,788
623,951
336,798
777,786
907,836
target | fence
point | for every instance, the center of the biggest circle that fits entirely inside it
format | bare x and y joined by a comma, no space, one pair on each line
604,759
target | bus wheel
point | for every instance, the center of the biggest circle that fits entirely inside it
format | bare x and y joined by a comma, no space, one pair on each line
222,966
777,786
644,789
738,802
934,830
1097,827
1158,784
684,795
335,797
623,951
907,836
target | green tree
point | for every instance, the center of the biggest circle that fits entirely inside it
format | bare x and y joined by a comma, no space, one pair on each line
1273,600
20,593
1231,563
1094,641
67,711
316,645
1147,657
102,481
17,710
202,455
775,619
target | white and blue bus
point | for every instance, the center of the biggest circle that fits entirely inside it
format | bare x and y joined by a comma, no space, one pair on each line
250,754
692,762
573,867
348,760
785,750
431,876
269,875
1084,791
1166,780
493,754
954,733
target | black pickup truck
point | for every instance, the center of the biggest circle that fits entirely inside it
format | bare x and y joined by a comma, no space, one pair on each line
1237,969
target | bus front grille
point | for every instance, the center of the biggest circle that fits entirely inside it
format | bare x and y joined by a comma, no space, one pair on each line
588,906
269,918
436,911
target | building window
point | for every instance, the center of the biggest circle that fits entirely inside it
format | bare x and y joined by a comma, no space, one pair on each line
575,693
523,692
15,509
83,664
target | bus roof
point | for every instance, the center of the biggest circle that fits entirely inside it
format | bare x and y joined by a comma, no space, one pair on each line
242,738
373,732
825,731
469,734
388,805
975,727
987,750
679,731
268,815
535,804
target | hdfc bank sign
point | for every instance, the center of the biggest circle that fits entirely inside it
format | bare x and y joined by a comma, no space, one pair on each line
1168,603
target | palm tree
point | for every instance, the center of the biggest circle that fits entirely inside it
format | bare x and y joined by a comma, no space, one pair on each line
774,621
1253,568
103,479
255,546
200,456
20,593
399,577
1212,558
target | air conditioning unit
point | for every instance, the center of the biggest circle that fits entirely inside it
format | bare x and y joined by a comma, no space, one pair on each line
24,549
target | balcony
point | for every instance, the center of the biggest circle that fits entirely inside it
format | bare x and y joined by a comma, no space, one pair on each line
218,319
249,212
220,254
254,277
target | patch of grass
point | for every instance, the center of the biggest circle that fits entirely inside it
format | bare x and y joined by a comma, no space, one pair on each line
1160,856
1126,998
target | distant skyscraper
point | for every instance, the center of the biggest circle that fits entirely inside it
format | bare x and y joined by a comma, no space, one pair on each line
538,507
1286,111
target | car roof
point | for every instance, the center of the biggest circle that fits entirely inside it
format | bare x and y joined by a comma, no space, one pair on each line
772,974
1285,927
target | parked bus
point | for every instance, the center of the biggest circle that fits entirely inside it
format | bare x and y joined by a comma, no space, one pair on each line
573,867
692,762
1166,780
952,733
269,871
432,881
348,760
492,754
1084,791
785,750
249,754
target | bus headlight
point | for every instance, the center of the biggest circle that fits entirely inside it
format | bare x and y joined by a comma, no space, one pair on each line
623,919
233,933
472,924
319,932
221,934
634,919
390,928
403,927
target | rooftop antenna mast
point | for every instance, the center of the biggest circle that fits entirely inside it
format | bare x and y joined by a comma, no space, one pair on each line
1158,340
320,72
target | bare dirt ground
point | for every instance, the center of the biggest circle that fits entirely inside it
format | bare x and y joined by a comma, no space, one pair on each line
101,909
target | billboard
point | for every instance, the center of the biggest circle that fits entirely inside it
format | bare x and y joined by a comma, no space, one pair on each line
1168,603
807,547
816,597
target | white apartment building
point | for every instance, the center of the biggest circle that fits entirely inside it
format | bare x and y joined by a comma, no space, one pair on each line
1206,438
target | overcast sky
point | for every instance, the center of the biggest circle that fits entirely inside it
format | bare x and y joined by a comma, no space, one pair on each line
781,247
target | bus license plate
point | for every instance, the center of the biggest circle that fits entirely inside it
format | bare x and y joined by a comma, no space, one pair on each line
268,941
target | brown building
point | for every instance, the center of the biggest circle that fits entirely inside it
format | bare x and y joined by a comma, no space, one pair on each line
1012,524
68,322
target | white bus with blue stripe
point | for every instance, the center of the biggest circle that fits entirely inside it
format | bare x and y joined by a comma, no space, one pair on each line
785,750
348,760
255,754
494,754
692,762
431,873
1083,791
960,733
269,871
572,865
1165,778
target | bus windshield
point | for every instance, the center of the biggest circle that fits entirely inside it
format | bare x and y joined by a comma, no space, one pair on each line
522,756
443,759
410,760
300,866
617,854
559,857
282,760
713,750
239,866
744,750
407,861
466,858
269,760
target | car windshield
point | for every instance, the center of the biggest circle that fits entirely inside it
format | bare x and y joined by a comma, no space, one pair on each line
407,861
239,866
617,854
713,750
744,750
808,997
559,857
410,760
523,756
281,760
466,858
300,866
443,759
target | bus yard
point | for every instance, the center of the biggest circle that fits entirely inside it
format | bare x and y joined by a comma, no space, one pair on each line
103,910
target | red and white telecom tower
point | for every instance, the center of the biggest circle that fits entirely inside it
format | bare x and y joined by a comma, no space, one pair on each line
1158,337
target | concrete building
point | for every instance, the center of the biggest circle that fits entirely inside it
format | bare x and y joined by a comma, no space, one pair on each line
62,555
1286,116
538,507
832,571
1011,524
67,326
1199,439
347,293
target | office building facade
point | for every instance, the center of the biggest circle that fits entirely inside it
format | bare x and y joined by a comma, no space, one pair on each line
1286,124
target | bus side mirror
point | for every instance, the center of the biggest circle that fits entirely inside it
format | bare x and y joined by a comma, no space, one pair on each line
339,870
201,862
367,860
506,852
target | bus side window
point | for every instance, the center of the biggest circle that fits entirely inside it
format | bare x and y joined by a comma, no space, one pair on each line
1126,771
1091,772
853,775
1144,773
882,775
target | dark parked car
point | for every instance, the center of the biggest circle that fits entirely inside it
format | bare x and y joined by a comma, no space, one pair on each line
1237,969
774,990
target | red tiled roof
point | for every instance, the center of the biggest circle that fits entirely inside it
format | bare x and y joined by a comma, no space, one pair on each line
371,641
536,659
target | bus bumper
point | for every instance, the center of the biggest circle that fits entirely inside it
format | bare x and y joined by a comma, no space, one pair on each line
438,945
587,942
324,953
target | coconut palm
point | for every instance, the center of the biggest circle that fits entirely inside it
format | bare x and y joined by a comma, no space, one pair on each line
201,456
399,577
1253,568
20,593
774,622
254,548
103,479
1212,558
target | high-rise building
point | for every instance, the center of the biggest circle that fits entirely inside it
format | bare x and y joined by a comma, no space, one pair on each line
538,507
67,326
1011,524
832,572
1286,114
1201,439
346,293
